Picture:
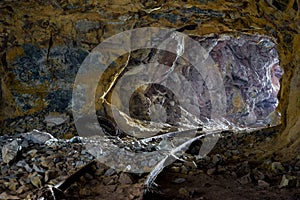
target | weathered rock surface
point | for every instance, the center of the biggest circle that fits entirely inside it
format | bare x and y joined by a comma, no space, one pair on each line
10,151
55,119
38,137
47,67
41,164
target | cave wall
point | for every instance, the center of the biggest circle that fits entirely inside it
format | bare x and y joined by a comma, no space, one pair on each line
42,43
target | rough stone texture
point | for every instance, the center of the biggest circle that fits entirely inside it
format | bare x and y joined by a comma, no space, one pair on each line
55,119
10,151
38,137
33,35
233,178
248,66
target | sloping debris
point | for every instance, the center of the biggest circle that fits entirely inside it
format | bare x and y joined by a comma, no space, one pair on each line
57,192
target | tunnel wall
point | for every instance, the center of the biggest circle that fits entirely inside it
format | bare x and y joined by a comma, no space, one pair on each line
43,43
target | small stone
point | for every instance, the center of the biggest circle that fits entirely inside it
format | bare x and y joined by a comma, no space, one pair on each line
10,151
191,164
221,169
125,179
245,179
233,174
38,169
38,137
191,173
211,171
79,164
268,139
36,180
32,152
75,139
45,163
175,169
22,163
53,143
24,181
288,181
136,144
179,180
184,170
13,186
235,152
277,167
262,183
22,189
4,169
20,130
24,144
109,172
55,119
216,159
237,158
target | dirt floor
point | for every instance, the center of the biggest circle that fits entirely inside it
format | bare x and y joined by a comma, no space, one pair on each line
240,166
195,185
231,171
215,187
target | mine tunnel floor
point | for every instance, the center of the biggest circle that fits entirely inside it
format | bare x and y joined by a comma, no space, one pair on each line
234,169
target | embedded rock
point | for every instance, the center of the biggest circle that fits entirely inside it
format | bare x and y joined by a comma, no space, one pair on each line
36,180
288,181
10,151
38,136
263,183
55,119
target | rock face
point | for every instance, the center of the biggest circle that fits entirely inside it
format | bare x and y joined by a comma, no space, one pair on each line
43,44
251,73
249,68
